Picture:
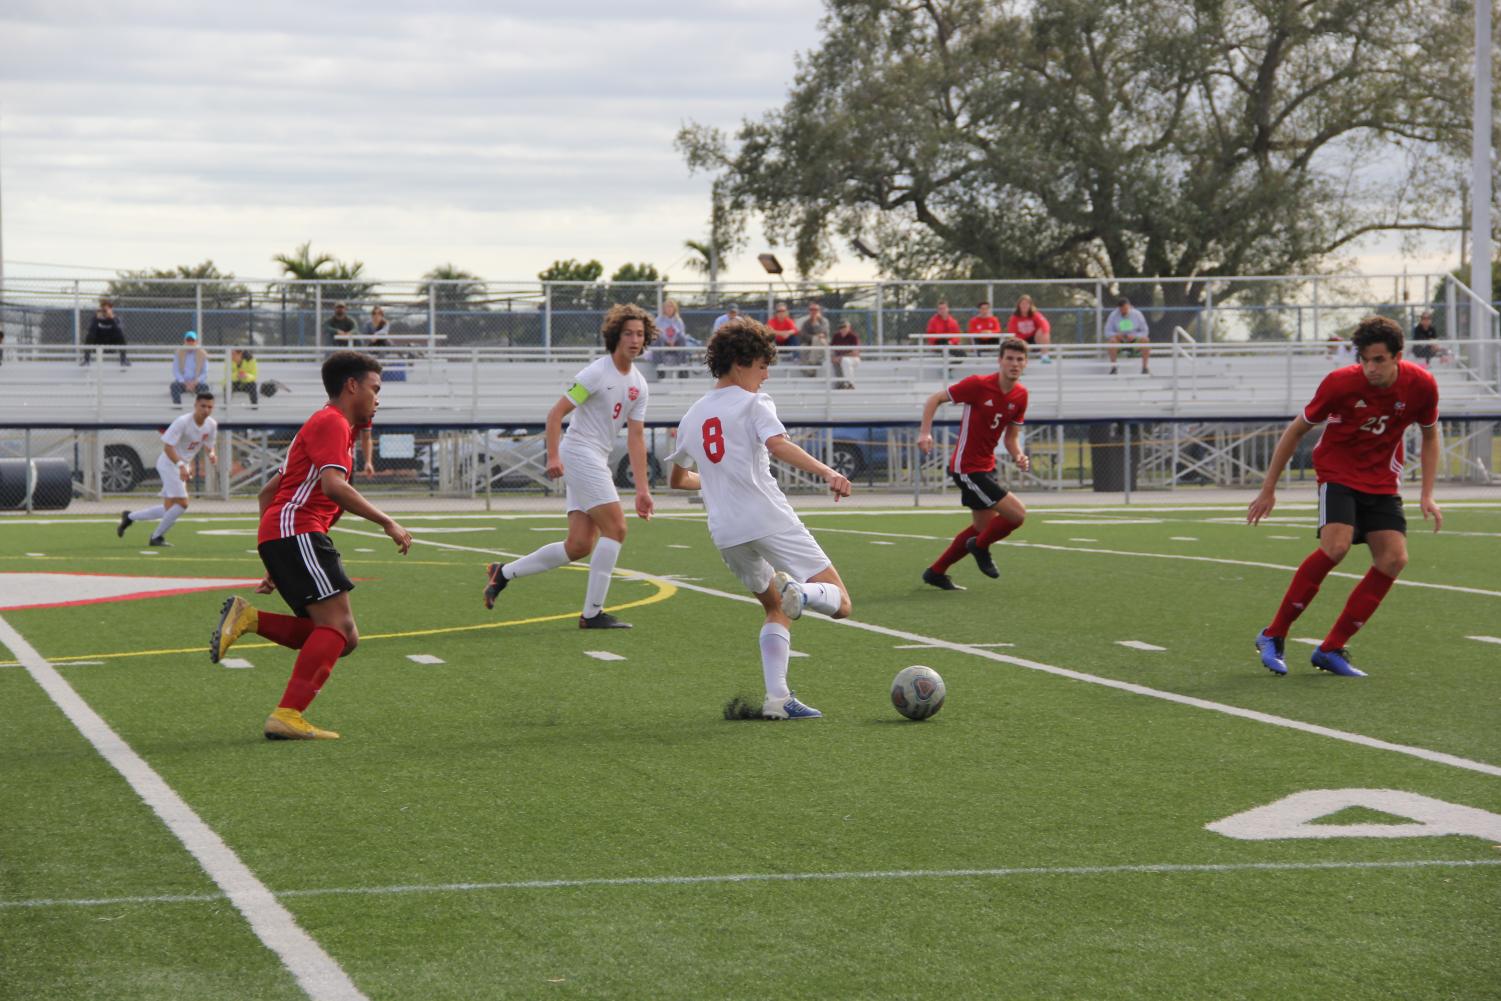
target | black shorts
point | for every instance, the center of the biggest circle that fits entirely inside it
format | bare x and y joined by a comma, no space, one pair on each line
305,568
979,491
1342,505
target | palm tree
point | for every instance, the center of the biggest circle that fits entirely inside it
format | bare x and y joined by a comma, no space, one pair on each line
459,289
302,266
700,256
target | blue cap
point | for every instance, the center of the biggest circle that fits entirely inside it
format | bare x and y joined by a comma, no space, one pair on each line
191,335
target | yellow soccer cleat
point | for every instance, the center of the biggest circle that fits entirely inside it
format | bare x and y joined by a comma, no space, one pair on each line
288,724
236,618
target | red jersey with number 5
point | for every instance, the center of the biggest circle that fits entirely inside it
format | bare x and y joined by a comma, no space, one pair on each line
300,506
987,411
1362,443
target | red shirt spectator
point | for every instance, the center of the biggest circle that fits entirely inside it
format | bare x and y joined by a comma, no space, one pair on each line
942,322
984,322
783,326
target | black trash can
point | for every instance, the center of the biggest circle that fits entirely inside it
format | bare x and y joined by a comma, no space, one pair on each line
50,480
1107,457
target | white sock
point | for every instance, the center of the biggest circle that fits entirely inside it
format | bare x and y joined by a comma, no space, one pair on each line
549,557
148,513
173,513
601,566
825,598
776,647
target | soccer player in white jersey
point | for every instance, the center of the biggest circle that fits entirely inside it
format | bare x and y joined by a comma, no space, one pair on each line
730,435
606,395
182,441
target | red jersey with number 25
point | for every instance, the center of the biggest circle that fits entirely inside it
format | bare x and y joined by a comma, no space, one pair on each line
987,411
300,506
1362,444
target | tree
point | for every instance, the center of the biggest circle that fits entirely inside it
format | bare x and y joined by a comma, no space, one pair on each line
220,290
572,271
700,257
303,266
1130,138
637,273
458,289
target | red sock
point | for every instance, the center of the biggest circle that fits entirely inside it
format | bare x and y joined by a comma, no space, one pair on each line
1359,608
288,630
997,530
314,662
1301,591
955,552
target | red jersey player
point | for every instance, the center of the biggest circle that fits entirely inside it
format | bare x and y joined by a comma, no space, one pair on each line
994,408
1359,465
298,507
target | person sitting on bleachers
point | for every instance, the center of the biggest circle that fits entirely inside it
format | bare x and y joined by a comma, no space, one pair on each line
245,370
189,369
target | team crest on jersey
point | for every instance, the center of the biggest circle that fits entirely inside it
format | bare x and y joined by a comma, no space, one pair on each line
1011,406
1399,405
633,392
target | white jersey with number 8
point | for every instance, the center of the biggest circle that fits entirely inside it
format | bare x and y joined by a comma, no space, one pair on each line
724,436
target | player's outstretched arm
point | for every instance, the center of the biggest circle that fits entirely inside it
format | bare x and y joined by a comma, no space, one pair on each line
635,448
683,479
788,451
929,408
1266,499
554,436
1429,456
337,488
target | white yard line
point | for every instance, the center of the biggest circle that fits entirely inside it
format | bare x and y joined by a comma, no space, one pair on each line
603,655
1139,645
1164,868
1437,757
1485,639
316,972
425,658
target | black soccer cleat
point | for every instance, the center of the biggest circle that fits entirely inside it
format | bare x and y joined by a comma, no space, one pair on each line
497,584
157,540
939,580
603,620
124,524
982,557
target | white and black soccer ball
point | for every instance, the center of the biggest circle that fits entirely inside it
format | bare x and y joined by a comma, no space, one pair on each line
917,692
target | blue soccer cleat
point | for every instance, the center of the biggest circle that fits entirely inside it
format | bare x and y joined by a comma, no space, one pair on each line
1336,662
788,708
1270,648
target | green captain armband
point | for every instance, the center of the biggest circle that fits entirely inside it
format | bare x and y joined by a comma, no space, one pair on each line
577,393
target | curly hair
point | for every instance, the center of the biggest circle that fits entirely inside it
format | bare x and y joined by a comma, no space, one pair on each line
341,366
616,319
742,341
1377,330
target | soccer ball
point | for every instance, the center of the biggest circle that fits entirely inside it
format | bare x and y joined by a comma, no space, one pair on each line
917,692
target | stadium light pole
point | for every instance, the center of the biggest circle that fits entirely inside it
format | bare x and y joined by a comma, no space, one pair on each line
1480,172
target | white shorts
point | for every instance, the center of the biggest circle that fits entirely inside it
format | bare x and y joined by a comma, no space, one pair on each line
172,484
792,549
587,482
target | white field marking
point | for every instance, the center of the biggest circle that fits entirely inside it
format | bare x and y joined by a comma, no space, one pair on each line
1138,645
1184,538
1284,537
425,658
674,545
36,554
550,529
149,552
316,972
929,646
881,542
1305,640
1164,868
257,552
1268,520
226,531
1293,816
1102,521
364,550
603,655
1084,540
796,653
1485,639
451,529
1438,757
889,535
235,663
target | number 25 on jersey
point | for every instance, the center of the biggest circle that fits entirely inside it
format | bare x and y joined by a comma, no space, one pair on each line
1375,425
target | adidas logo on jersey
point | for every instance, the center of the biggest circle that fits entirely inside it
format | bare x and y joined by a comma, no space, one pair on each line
1359,404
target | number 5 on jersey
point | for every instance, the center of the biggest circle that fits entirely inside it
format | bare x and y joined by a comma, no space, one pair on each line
713,432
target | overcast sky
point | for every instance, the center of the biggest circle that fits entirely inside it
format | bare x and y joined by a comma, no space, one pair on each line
497,136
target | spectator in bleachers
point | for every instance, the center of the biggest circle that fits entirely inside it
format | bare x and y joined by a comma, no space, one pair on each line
1424,336
814,325
1027,323
1127,325
670,319
672,347
731,311
340,327
941,324
106,328
189,369
846,345
376,328
783,327
984,322
244,371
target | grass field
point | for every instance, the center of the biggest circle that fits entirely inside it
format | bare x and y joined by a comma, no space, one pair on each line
524,820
